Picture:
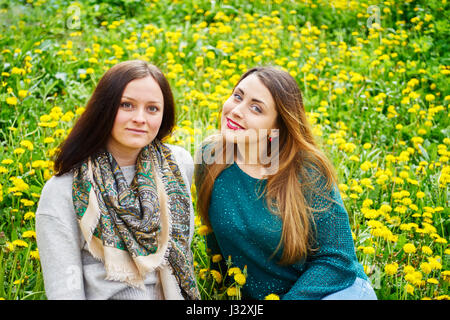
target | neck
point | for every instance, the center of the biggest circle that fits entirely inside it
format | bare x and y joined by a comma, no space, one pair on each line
124,158
250,154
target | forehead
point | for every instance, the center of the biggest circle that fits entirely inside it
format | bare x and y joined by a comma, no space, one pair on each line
145,89
253,88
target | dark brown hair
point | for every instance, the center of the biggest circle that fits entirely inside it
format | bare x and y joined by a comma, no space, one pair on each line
92,130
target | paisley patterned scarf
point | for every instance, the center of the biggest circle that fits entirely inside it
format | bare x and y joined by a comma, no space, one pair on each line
140,228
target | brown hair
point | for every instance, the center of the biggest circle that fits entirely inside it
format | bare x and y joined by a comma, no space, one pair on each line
92,130
301,166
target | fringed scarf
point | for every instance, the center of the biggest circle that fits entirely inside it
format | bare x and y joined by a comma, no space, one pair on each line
140,228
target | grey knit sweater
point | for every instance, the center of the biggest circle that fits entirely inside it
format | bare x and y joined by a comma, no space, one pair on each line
70,271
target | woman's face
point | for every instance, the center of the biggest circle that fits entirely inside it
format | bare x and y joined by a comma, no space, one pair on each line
249,113
138,118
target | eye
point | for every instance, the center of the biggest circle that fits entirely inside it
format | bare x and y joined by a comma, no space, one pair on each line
237,96
256,108
126,105
152,108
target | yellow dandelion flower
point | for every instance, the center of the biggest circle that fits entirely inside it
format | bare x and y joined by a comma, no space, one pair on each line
80,110
367,182
369,250
425,267
9,246
216,276
434,262
391,268
420,195
272,296
11,101
408,269
29,234
202,273
366,165
367,203
427,250
240,279
20,243
19,151
409,248
67,116
232,291
446,275
27,203
29,215
59,133
409,289
27,144
35,254
49,140
203,230
7,161
234,270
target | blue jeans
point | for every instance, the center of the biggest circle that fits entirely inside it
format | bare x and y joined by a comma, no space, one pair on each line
359,290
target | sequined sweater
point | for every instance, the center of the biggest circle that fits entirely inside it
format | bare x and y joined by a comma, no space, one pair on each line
248,232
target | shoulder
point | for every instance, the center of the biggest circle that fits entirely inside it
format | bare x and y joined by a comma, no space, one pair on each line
316,175
55,215
182,156
320,189
56,195
206,155
57,184
208,152
184,161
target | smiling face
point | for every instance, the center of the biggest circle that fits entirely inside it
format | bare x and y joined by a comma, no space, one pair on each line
248,111
138,118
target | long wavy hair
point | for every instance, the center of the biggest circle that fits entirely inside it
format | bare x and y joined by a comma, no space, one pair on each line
303,172
93,129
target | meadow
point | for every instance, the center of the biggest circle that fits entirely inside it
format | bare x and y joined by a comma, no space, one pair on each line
375,80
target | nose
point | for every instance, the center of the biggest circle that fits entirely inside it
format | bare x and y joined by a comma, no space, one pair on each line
139,116
236,111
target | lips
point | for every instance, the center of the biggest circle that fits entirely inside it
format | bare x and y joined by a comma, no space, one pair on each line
233,125
136,131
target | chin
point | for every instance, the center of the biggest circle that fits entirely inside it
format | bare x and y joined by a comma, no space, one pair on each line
139,145
236,136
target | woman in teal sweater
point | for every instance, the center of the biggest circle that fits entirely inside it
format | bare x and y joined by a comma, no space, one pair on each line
270,196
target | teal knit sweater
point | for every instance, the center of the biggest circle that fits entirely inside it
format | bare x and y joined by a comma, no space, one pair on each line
248,232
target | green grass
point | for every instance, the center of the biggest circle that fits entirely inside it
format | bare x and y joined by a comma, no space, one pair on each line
377,96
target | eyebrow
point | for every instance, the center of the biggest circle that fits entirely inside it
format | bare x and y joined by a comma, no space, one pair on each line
151,101
255,100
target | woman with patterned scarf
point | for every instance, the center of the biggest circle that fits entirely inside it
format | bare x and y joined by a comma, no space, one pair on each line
116,220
